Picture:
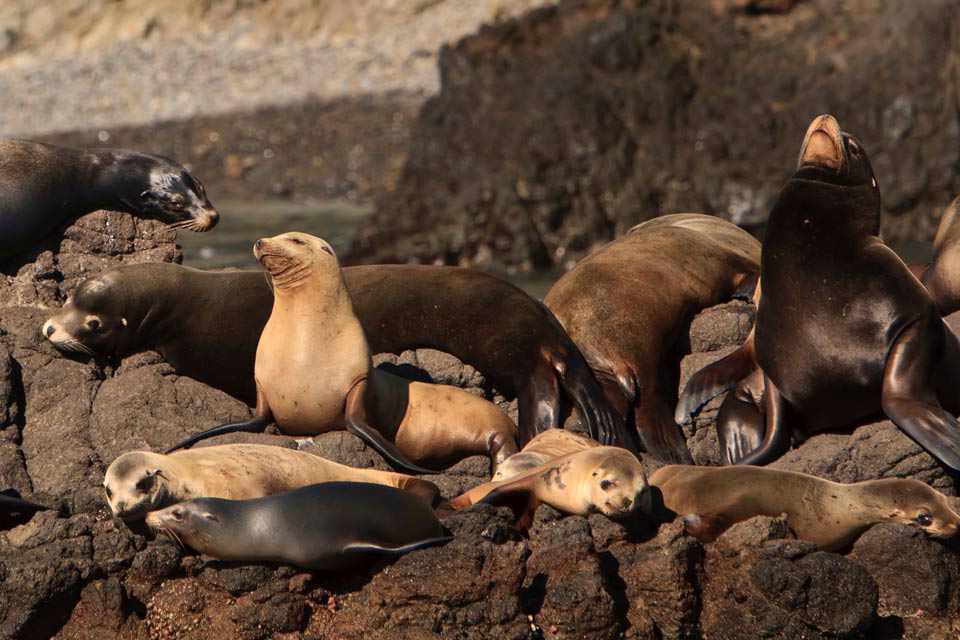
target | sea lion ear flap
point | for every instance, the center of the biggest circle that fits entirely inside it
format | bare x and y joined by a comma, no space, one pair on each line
211,517
521,500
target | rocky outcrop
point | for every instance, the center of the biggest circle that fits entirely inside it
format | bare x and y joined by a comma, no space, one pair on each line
78,574
558,130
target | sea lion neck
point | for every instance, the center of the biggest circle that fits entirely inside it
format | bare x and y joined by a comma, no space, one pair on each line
816,213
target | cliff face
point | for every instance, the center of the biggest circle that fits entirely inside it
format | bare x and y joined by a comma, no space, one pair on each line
78,574
559,129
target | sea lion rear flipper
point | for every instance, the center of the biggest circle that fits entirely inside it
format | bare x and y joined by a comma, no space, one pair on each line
356,421
11,502
369,547
705,527
714,379
256,424
739,424
908,397
761,392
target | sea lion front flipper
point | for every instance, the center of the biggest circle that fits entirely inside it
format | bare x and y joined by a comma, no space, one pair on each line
538,403
369,547
776,432
261,418
11,502
517,495
714,379
908,397
355,416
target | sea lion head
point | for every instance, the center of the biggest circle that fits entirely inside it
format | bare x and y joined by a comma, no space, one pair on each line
136,483
916,503
293,257
617,484
829,154
156,187
201,524
95,321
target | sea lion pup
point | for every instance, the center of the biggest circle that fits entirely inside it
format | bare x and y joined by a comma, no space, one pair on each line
42,185
829,514
843,329
546,446
15,510
607,480
314,373
333,525
138,482
628,304
177,311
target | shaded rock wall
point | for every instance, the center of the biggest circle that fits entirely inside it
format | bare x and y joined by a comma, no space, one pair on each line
560,129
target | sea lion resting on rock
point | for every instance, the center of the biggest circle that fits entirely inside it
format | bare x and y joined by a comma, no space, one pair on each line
626,306
138,482
607,480
177,311
829,514
545,447
42,185
333,525
314,373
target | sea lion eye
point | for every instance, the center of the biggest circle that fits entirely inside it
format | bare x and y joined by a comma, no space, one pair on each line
93,324
297,241
924,519
177,514
606,484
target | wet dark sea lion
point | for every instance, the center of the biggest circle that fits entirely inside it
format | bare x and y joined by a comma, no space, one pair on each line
314,373
332,525
844,329
178,311
829,514
627,305
42,185
15,510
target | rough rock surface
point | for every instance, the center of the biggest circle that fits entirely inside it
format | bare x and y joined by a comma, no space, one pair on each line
77,574
557,130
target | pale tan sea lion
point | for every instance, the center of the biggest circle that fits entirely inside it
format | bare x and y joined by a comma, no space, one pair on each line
545,447
607,480
829,514
314,373
138,482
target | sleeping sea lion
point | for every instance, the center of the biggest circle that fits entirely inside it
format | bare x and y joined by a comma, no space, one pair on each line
138,482
546,446
314,373
332,525
829,514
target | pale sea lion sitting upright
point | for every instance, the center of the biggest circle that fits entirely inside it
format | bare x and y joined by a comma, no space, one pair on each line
332,525
314,373
545,447
42,185
607,480
138,482
628,304
844,329
829,514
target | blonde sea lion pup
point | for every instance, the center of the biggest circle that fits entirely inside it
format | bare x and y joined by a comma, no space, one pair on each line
314,373
829,514
607,480
138,482
546,446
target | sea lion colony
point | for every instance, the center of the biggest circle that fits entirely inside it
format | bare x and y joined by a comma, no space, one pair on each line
607,335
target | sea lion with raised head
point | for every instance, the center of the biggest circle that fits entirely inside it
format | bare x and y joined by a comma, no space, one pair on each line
314,373
545,447
332,525
607,480
829,514
844,329
138,482
42,185
177,311
628,304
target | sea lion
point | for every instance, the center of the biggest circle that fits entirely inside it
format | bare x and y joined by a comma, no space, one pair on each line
829,514
138,482
607,480
942,276
15,510
332,525
314,373
42,185
177,311
627,305
546,446
844,329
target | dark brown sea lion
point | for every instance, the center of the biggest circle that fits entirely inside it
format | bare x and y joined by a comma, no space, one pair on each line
332,525
314,373
829,514
627,306
42,185
483,320
15,510
844,329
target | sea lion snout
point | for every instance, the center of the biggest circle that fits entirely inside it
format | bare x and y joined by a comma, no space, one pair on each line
823,144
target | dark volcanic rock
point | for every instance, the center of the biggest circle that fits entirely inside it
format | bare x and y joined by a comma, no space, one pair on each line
555,131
